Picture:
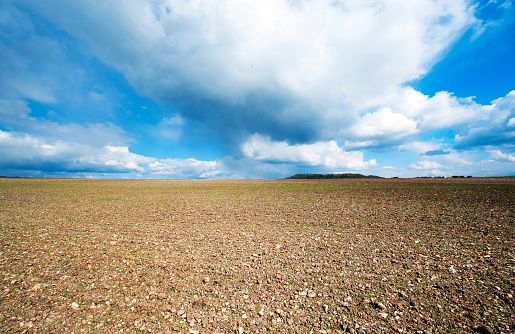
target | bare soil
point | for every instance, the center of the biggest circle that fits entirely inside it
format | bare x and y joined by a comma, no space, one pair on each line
254,256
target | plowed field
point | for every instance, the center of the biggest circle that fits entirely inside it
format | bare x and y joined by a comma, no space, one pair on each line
253,256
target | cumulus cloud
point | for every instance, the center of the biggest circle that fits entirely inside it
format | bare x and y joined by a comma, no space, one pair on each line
311,60
425,164
493,131
389,167
500,156
24,152
440,111
506,103
383,124
420,147
186,168
473,124
27,152
327,154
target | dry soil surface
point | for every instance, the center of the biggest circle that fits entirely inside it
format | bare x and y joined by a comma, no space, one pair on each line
254,256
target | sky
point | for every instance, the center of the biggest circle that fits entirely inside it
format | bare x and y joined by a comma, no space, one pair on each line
181,89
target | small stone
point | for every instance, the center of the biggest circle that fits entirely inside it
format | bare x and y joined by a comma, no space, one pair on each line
383,315
36,287
303,293
192,331
244,316
75,305
326,308
381,305
345,304
312,294
241,330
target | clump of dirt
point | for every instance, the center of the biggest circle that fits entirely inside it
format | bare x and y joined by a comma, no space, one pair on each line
252,256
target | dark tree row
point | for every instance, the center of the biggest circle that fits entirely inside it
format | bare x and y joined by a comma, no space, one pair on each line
332,176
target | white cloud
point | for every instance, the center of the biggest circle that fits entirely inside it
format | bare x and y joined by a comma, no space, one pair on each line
30,153
453,163
440,111
492,131
506,103
326,154
456,158
500,156
420,147
27,151
353,145
506,4
384,124
186,168
116,149
473,124
425,164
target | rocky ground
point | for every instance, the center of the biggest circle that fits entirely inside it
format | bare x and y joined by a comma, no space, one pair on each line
253,256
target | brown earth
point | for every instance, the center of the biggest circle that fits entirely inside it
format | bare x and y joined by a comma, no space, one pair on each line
221,256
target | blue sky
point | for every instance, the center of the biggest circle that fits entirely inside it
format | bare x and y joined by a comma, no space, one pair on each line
256,89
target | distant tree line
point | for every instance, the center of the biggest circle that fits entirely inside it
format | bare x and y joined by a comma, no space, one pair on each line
333,176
